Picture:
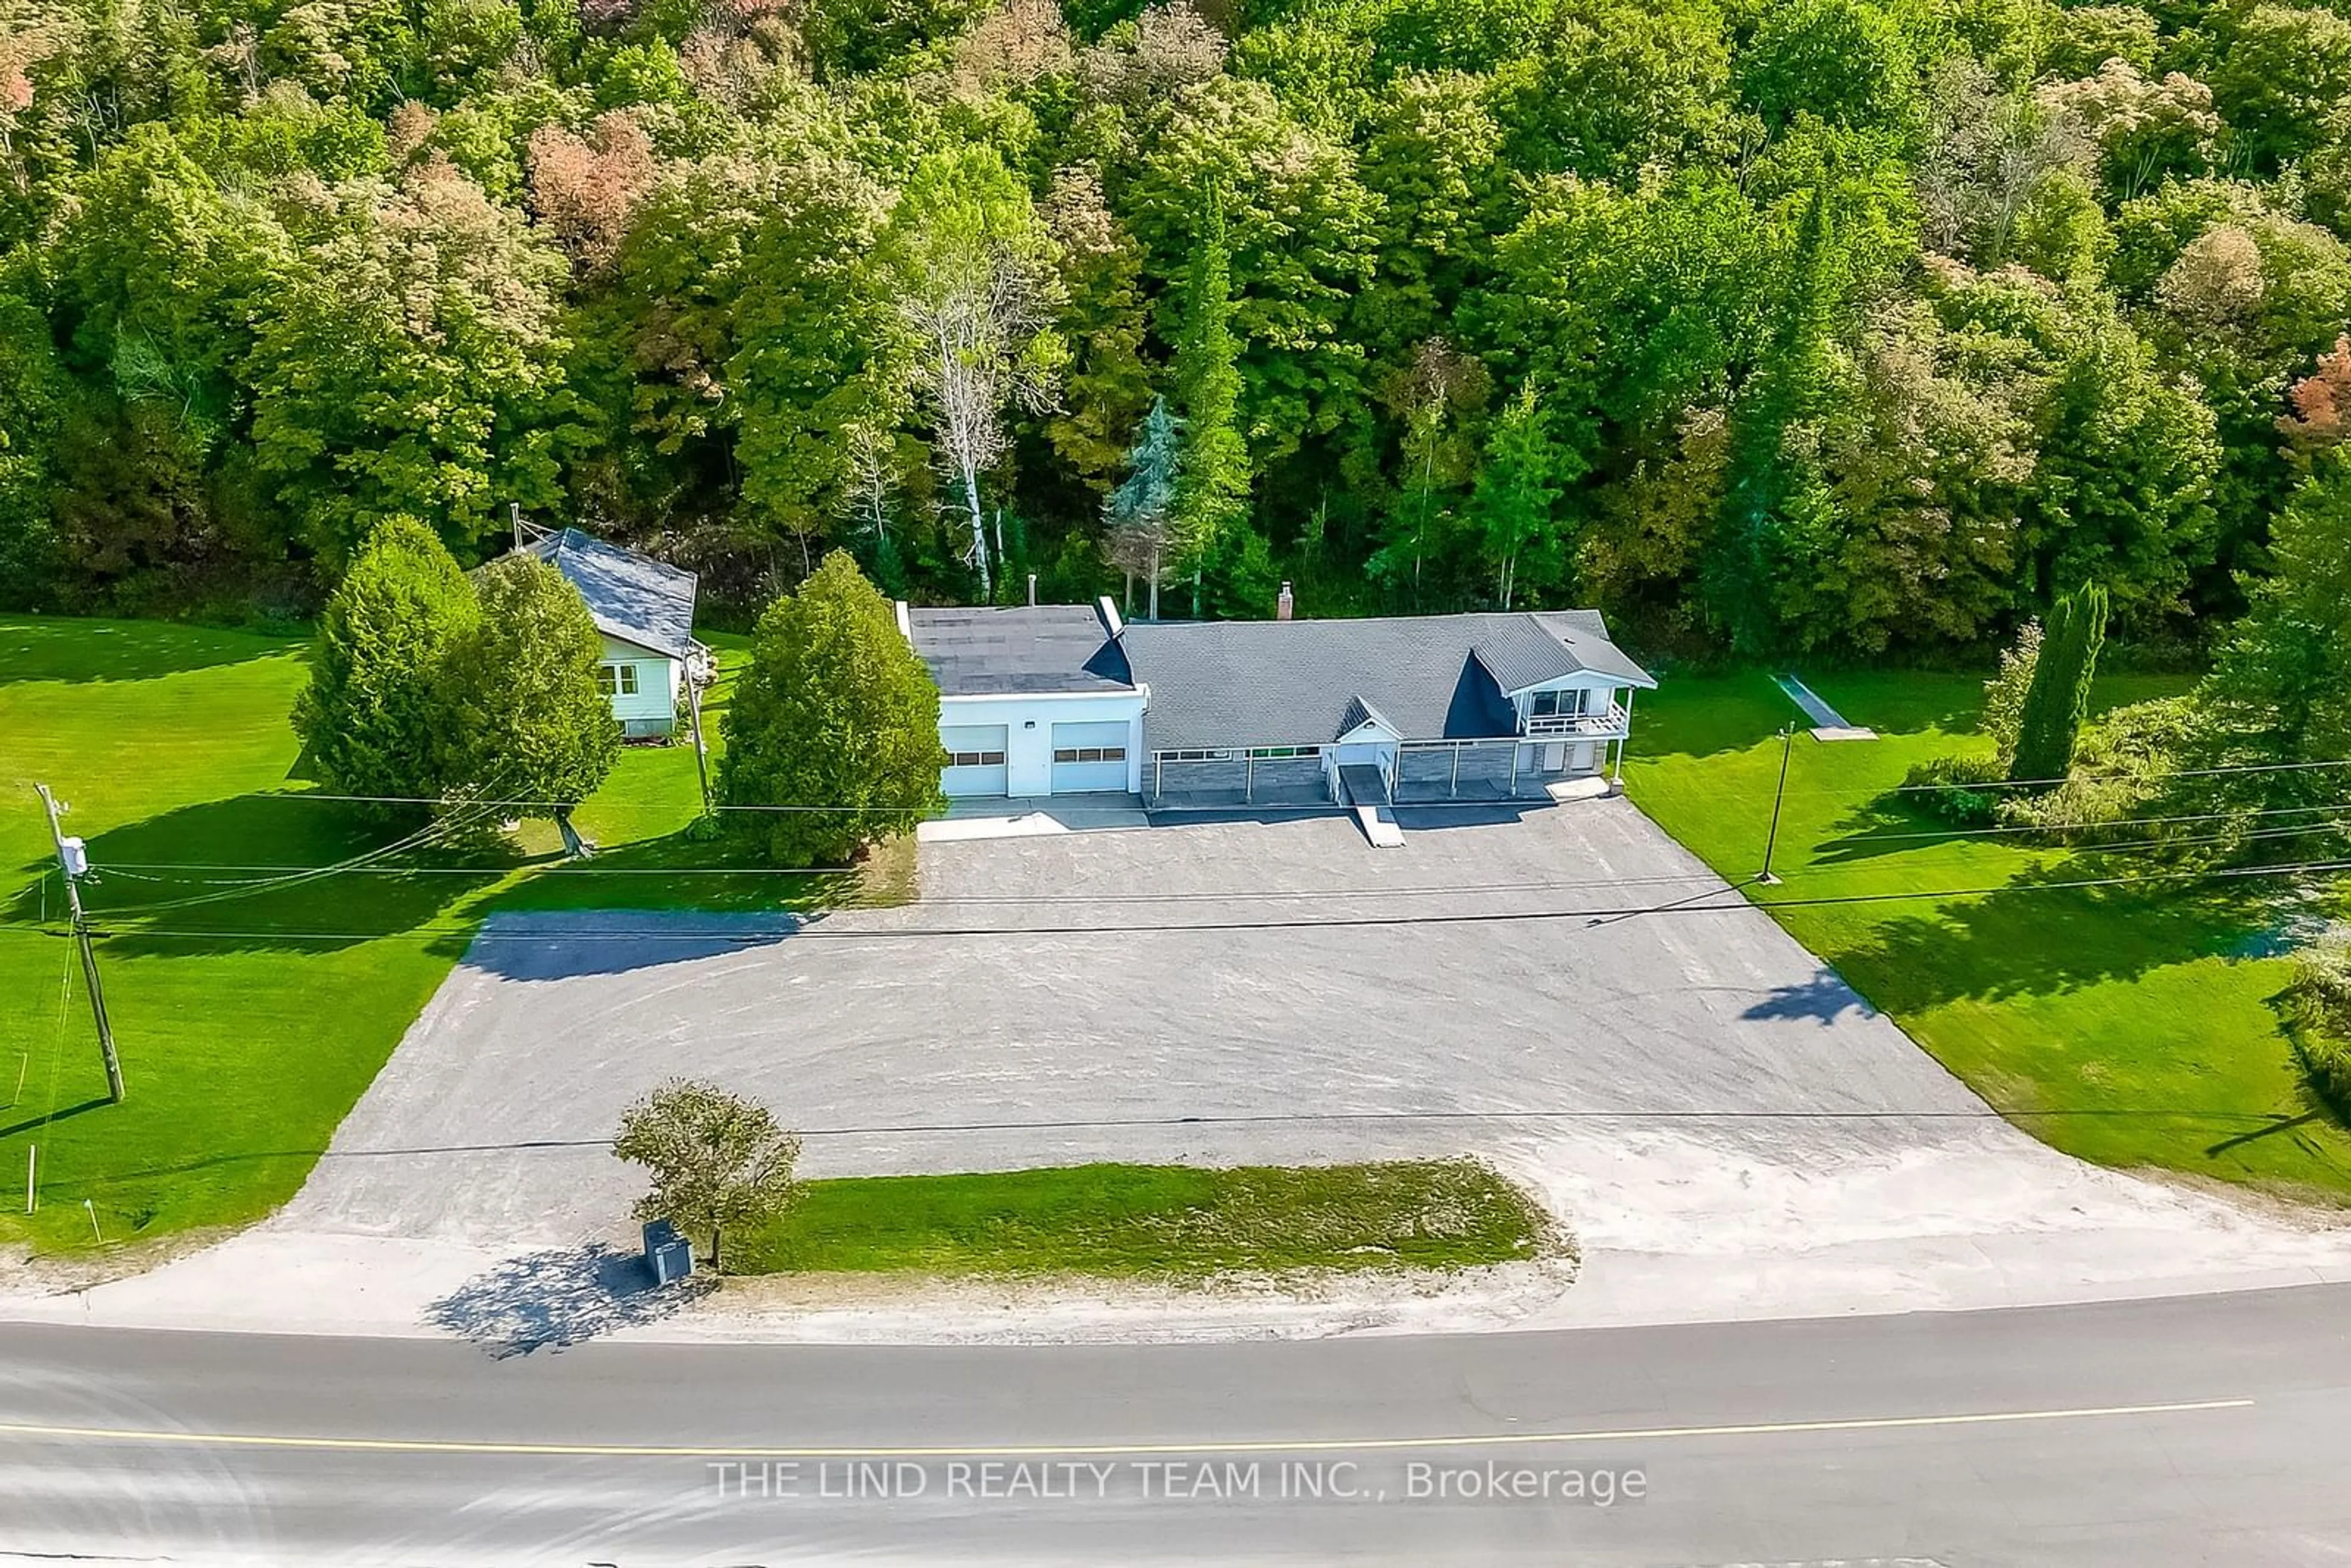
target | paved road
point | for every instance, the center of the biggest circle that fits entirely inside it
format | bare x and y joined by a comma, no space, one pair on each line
1233,992
1850,1441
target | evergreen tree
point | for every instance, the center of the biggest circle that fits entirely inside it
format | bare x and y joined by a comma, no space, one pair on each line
1212,487
372,720
525,720
834,716
2284,681
2059,697
1137,515
1514,503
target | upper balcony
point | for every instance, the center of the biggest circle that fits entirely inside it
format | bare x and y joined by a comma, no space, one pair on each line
1613,723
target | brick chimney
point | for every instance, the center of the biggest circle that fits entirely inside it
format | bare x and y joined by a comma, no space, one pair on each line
1283,606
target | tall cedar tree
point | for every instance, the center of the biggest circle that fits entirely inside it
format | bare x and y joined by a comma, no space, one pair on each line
834,716
2059,697
525,721
371,718
1212,489
1137,516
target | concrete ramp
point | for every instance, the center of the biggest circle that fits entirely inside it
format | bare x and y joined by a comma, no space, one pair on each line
1827,722
1365,789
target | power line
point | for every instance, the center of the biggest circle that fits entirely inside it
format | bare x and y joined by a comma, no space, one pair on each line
2130,777
1413,890
2079,827
817,931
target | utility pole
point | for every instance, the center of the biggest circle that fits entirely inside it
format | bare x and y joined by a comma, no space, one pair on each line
74,861
1787,740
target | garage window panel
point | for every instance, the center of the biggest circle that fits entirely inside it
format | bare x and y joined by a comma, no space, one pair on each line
974,758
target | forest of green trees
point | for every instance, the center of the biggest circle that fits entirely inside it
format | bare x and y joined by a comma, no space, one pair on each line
1849,326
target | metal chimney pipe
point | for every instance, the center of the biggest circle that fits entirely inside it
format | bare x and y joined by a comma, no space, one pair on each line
1285,605
1032,591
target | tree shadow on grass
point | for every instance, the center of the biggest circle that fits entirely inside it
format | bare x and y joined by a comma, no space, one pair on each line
2033,938
560,1298
81,651
244,874
685,870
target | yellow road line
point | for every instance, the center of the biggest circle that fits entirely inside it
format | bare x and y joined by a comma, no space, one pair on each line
1096,1451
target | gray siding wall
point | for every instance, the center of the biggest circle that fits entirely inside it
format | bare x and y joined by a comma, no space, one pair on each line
1286,779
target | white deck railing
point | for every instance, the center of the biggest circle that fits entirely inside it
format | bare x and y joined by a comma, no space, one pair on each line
1615,724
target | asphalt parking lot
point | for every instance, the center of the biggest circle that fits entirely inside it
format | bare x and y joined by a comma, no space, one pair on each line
1220,992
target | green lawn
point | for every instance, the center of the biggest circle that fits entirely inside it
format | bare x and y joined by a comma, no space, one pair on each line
2133,1026
248,1022
1163,1221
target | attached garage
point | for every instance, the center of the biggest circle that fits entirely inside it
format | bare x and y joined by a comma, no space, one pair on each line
974,758
1090,756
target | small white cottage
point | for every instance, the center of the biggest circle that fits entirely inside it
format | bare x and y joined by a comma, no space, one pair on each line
644,608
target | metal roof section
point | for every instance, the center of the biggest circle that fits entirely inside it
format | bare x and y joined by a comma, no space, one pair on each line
1019,650
633,597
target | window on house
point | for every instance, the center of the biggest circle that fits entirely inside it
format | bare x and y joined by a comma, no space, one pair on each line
1548,705
1091,754
1278,753
617,680
1224,756
975,759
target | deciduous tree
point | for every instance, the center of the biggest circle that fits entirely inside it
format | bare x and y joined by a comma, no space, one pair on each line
718,1162
974,269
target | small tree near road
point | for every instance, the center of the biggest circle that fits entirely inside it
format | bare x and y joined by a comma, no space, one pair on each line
371,718
718,1162
834,724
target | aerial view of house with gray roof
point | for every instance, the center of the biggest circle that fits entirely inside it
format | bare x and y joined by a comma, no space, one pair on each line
644,609
1058,699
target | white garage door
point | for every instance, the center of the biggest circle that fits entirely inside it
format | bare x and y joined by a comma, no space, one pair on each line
1089,757
974,758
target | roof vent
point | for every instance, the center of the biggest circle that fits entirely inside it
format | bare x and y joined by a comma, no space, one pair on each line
1283,606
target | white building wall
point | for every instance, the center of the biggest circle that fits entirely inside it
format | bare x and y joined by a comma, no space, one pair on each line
652,710
1604,691
1028,720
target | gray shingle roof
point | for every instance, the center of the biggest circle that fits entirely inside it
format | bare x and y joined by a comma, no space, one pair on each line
1027,648
1587,636
1306,683
633,597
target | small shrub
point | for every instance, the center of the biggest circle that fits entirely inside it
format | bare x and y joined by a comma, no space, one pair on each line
1954,790
2318,1012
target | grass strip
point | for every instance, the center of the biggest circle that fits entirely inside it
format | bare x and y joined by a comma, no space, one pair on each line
1168,1221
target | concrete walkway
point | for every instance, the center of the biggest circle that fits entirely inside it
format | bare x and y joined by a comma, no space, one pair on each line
1827,722
1030,816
